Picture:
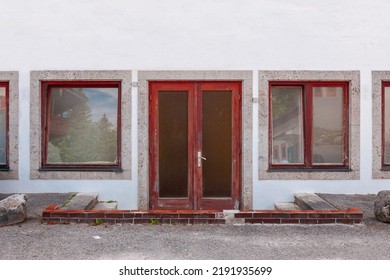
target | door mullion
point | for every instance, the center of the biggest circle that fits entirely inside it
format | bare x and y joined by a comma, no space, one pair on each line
197,145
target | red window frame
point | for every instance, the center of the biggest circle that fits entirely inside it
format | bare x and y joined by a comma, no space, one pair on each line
5,166
307,115
45,107
385,166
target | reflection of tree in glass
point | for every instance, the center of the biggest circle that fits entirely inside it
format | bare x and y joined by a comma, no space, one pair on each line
106,140
284,101
85,141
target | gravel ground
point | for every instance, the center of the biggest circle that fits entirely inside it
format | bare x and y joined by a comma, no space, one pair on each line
33,240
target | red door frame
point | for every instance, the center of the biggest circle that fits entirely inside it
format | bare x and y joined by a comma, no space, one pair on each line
194,199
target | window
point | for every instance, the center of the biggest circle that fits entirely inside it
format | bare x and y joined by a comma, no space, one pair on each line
309,125
386,125
81,122
4,89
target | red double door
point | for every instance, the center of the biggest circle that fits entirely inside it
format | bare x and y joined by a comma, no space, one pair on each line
195,145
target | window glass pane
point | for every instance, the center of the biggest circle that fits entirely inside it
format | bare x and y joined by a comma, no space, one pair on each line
287,128
82,126
387,126
327,125
217,143
3,126
173,143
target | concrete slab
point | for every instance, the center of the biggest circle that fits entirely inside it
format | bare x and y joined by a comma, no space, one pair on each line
286,206
101,205
312,201
81,201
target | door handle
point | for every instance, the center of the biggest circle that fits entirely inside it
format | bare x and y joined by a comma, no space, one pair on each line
200,159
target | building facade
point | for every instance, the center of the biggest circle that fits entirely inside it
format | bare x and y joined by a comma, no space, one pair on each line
194,104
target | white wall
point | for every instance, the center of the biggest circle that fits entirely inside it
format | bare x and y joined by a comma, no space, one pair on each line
196,35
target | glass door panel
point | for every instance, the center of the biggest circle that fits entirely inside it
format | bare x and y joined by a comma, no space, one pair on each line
173,143
217,143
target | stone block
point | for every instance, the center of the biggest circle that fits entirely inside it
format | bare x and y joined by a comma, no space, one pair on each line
382,206
13,209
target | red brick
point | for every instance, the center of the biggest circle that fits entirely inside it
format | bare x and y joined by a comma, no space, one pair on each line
95,215
46,214
316,215
289,221
299,215
166,216
335,215
244,215
200,221
308,221
77,215
131,215
262,215
186,215
354,215
280,215
114,215
56,214
151,215
326,221
344,221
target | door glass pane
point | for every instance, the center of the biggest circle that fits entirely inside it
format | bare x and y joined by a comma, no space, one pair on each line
3,126
387,126
217,143
173,143
327,125
82,125
287,128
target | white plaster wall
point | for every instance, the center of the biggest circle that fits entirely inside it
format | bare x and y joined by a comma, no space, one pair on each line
196,35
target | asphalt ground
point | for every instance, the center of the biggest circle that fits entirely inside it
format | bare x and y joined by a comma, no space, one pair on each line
32,240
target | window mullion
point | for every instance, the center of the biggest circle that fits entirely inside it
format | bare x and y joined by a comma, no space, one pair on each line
308,127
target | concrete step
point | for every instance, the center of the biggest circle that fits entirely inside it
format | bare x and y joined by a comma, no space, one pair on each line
80,201
311,201
104,205
286,206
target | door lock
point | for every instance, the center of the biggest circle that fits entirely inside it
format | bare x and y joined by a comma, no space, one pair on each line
200,159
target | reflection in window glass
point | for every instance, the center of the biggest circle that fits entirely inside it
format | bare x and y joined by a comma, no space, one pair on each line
82,126
287,129
327,125
3,126
387,126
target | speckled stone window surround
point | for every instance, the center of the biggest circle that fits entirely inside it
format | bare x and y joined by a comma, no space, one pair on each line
378,77
35,123
353,77
12,78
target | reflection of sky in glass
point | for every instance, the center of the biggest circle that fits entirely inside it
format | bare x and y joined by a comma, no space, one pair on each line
3,115
103,101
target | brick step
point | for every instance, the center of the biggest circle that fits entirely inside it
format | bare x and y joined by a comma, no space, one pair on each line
53,215
311,201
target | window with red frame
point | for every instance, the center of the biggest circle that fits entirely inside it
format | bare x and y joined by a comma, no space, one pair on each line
81,121
309,125
386,124
4,89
